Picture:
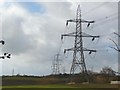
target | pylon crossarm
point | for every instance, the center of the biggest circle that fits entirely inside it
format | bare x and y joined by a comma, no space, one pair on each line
71,20
69,34
90,51
89,22
88,35
70,49
91,36
72,35
85,21
85,49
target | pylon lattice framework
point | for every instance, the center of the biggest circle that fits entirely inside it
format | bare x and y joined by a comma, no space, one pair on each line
56,65
78,49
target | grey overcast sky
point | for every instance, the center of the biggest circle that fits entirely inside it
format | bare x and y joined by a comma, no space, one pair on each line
32,33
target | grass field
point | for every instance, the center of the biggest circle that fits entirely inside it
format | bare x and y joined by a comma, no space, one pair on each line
50,82
76,86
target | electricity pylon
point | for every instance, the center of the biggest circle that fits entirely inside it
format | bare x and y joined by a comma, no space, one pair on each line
5,55
13,72
78,49
56,65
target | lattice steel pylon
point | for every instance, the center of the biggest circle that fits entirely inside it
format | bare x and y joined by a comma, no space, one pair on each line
78,49
56,65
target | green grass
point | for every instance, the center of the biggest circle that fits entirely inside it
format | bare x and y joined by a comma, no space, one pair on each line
66,86
49,82
39,86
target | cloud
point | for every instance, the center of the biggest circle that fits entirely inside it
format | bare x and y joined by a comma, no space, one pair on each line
29,35
34,39
17,41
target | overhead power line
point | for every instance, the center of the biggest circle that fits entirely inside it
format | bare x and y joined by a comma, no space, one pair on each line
95,8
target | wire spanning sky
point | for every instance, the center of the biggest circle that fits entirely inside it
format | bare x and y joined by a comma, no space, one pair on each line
32,33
